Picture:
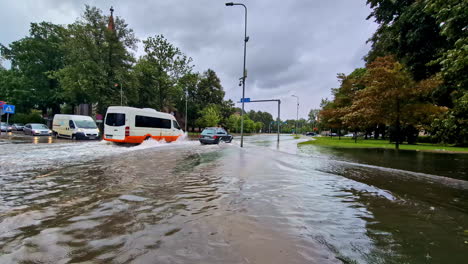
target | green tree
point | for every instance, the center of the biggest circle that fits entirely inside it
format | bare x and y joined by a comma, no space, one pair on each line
158,74
188,85
258,127
210,117
313,115
453,126
34,60
233,123
264,118
249,125
392,96
97,57
210,90
226,109
409,32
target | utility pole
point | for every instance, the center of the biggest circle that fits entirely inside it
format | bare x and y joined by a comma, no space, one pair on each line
186,111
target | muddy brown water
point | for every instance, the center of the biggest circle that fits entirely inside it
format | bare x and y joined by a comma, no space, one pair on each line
94,202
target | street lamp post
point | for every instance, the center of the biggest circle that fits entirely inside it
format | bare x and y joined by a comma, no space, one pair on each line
186,111
121,95
244,75
121,92
297,112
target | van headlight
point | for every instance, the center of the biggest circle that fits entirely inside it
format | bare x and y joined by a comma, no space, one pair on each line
80,130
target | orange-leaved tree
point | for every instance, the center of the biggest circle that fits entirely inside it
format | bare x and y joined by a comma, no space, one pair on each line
392,97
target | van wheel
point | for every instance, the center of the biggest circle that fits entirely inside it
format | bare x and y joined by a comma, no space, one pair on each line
147,137
73,137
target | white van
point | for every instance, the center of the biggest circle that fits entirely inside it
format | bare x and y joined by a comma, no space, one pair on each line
75,127
133,125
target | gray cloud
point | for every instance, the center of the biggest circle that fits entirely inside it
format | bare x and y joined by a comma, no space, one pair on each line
296,47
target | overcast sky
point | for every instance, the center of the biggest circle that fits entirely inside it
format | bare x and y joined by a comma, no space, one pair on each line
295,47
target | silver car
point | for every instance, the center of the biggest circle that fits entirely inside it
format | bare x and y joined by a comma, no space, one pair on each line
4,127
35,129
18,127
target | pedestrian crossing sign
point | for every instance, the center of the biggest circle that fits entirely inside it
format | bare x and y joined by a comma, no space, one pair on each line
8,109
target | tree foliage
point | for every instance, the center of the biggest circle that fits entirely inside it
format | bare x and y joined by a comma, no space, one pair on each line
34,60
415,75
158,72
210,117
96,59
91,61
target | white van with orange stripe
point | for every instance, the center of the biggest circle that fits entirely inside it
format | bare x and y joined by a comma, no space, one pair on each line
134,125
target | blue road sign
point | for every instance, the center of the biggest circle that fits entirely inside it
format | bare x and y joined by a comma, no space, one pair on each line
245,100
8,109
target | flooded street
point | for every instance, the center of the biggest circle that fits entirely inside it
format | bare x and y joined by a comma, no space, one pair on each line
95,202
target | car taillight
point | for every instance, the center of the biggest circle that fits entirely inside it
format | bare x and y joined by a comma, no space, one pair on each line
215,137
127,131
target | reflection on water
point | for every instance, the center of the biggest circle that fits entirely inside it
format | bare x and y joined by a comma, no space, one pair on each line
186,203
449,165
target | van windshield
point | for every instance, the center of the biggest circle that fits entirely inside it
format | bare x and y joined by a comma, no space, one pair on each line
115,119
85,124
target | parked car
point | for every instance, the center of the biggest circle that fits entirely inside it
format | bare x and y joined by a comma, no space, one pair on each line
35,129
349,135
311,134
4,127
18,126
75,127
213,135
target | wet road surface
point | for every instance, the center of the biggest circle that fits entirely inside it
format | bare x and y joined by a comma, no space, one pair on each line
95,202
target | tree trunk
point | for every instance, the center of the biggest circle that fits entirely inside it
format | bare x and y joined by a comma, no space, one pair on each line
397,141
383,131
55,109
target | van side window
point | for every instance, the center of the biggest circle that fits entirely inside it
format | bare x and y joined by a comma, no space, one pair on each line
154,122
175,124
71,124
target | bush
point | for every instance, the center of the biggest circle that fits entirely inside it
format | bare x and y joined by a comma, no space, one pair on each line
27,118
427,139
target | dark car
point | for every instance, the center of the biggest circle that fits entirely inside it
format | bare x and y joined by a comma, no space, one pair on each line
213,135
311,134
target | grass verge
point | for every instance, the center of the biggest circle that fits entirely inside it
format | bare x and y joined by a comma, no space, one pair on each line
379,143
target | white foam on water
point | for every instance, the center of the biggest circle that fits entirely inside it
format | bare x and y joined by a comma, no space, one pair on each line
18,158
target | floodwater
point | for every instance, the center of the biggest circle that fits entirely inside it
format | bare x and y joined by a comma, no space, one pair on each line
95,202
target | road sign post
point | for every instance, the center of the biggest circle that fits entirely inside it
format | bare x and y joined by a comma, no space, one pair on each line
8,109
247,100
